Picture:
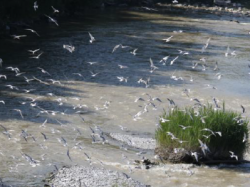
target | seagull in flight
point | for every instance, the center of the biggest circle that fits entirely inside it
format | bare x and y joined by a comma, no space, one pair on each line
116,47
121,79
216,66
33,51
164,59
227,52
38,56
168,39
149,8
163,120
44,136
13,69
122,67
218,75
55,10
183,52
212,132
54,81
79,74
172,62
92,39
43,125
43,71
52,20
20,112
27,80
233,155
35,5
184,127
195,65
216,102
18,36
70,48
139,99
33,31
4,76
92,63
93,74
207,136
134,52
68,155
179,31
244,138
152,64
243,109
28,91
203,147
195,154
12,87
206,45
175,1
20,73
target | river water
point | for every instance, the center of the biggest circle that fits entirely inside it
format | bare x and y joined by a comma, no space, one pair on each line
85,94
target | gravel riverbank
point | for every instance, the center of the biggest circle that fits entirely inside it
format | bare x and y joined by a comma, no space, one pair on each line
135,141
92,177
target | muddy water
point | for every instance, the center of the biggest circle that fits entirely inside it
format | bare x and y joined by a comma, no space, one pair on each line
86,95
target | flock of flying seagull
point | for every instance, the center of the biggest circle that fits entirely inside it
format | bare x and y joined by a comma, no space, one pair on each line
97,134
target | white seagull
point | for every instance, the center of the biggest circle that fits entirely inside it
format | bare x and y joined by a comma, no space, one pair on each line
55,10
92,39
233,155
18,36
43,71
35,5
93,74
116,47
33,31
70,48
4,76
33,51
184,127
168,39
20,112
134,52
172,62
38,56
52,20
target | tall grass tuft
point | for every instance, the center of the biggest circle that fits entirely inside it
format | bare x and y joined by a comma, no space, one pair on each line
231,125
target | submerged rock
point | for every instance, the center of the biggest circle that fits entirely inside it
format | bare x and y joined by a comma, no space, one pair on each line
173,156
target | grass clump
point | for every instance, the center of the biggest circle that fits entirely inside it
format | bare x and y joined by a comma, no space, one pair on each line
222,131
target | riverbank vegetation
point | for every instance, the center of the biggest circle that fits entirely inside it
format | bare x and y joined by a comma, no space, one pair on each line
212,134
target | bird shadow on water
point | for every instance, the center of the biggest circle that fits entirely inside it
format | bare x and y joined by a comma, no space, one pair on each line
42,98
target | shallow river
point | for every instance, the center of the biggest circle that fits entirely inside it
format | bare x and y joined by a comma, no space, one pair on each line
104,101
